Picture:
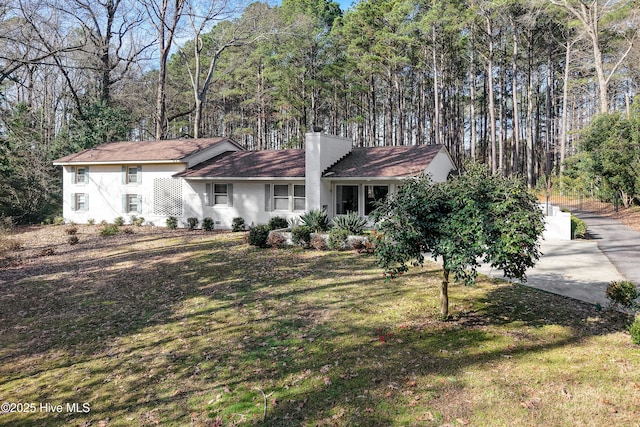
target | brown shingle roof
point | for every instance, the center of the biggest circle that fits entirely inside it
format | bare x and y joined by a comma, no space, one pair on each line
400,161
251,164
147,151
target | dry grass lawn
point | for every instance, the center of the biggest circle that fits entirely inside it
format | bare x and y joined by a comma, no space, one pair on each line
184,328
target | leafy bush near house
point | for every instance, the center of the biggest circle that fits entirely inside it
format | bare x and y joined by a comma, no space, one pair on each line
578,227
278,222
91,221
193,223
338,238
259,235
622,293
352,222
119,221
109,230
635,330
137,221
172,223
237,224
301,235
316,219
276,239
207,224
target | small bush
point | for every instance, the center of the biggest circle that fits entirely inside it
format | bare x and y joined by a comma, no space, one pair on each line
578,228
318,243
109,230
119,221
278,222
58,220
276,239
91,221
137,221
635,330
6,224
259,235
193,223
237,224
73,240
622,293
172,223
316,219
104,222
338,239
71,231
301,235
352,222
207,224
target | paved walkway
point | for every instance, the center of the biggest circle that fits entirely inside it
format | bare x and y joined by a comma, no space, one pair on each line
582,269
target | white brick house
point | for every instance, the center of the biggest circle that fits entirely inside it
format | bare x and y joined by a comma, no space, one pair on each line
217,178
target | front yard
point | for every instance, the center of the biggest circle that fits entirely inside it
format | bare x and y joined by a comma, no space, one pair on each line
185,328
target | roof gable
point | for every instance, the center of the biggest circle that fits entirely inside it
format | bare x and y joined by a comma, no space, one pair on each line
384,162
144,151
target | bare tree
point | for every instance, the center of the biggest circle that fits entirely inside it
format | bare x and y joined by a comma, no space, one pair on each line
591,15
166,17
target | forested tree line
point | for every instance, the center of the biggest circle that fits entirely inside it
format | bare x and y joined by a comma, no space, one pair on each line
510,83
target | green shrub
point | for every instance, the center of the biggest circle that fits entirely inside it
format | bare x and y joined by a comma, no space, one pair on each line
622,293
172,223
316,219
578,228
109,230
193,223
58,220
338,239
119,221
278,222
635,330
259,235
301,235
207,224
352,222
237,224
91,221
137,221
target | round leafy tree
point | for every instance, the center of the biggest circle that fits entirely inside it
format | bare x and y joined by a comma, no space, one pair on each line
474,217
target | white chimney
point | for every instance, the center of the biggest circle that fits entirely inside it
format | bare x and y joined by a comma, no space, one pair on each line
322,151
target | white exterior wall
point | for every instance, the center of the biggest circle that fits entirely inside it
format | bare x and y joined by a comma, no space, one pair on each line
248,202
440,166
105,189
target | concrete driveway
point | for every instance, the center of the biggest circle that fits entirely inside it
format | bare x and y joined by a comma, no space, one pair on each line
577,269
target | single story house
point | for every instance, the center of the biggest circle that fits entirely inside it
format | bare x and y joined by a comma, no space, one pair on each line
217,178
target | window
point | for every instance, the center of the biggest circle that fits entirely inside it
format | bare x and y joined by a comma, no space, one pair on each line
131,174
372,194
281,197
299,198
80,202
346,199
131,203
218,194
80,174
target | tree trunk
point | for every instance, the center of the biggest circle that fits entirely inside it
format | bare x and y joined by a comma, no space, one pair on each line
444,294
